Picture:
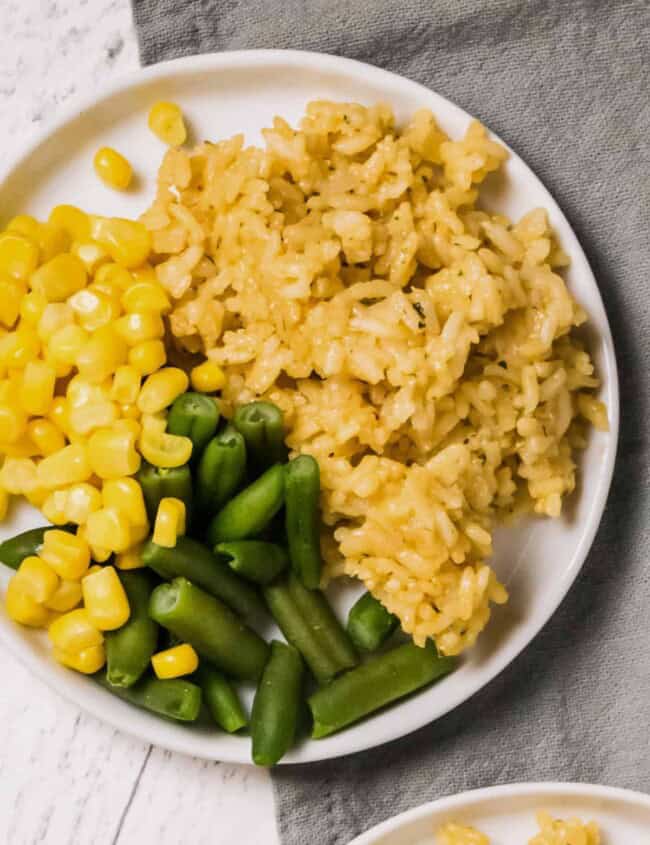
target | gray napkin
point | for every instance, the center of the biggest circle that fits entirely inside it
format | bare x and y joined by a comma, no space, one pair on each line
566,83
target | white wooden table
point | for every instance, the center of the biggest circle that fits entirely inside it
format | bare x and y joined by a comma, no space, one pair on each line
65,778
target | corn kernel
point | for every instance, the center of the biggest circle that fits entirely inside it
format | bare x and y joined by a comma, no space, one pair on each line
146,296
47,438
114,275
68,466
67,554
125,494
12,292
19,347
161,388
53,508
87,661
175,662
140,326
154,423
4,503
22,608
81,500
19,255
32,306
55,316
108,528
52,240
128,424
74,631
130,559
72,219
112,453
93,415
22,448
207,377
165,450
18,475
112,168
128,242
170,522
59,278
66,596
94,308
37,580
13,422
58,413
25,224
105,599
66,343
102,355
126,385
148,357
37,495
91,254
37,390
166,122
98,553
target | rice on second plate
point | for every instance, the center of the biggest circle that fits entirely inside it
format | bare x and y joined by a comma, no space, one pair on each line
551,832
421,348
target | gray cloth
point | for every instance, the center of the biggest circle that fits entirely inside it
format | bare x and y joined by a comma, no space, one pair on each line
566,83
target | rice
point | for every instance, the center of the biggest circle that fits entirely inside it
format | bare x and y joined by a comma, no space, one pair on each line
421,348
551,832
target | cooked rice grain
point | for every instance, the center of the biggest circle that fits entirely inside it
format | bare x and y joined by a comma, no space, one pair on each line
420,347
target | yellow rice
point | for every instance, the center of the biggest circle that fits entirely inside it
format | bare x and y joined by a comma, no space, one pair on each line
421,348
551,832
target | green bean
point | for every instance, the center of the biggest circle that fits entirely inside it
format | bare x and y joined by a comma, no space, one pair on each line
222,470
160,482
317,612
277,703
221,699
302,491
369,623
210,627
380,681
196,416
251,510
176,698
262,426
255,560
129,649
192,560
14,550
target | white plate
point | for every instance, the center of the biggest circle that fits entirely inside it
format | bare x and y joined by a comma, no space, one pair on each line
233,92
507,814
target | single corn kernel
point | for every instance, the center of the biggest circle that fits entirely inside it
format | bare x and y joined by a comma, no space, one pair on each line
166,122
59,278
75,221
13,422
47,438
98,553
146,296
130,559
55,316
91,416
58,413
37,495
37,390
52,240
81,500
19,255
102,355
128,424
112,168
65,344
170,522
32,307
93,308
105,599
175,662
112,453
126,385
68,466
87,661
207,377
165,450
148,357
18,475
22,448
140,326
37,580
74,631
128,242
66,596
108,528
67,554
4,503
91,254
115,275
125,494
154,423
53,508
12,292
81,391
19,347
22,608
130,412
161,388
24,224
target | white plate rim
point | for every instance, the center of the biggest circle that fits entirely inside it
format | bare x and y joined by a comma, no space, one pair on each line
533,790
114,712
